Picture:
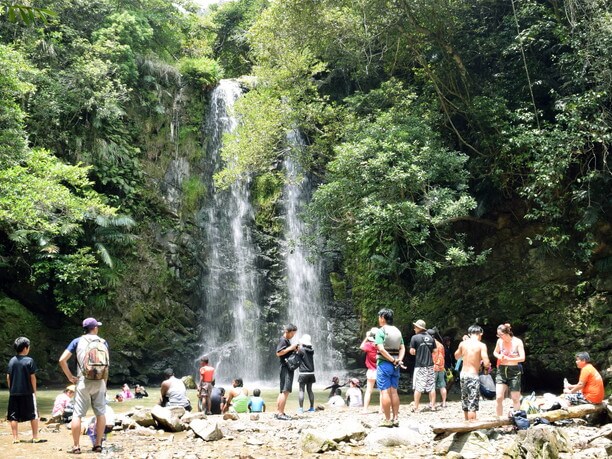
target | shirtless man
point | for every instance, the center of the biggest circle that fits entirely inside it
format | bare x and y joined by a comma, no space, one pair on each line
473,352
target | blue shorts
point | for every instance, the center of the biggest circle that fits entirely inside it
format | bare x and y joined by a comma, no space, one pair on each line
387,375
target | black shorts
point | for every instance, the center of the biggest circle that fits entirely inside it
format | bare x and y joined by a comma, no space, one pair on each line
286,379
307,379
22,408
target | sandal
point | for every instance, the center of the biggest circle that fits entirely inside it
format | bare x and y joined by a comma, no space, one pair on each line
97,449
74,450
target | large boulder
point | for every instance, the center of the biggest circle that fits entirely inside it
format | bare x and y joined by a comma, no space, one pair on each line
167,419
347,431
539,442
206,430
143,417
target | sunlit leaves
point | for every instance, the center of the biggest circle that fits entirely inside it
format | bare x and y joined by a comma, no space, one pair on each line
25,13
392,190
43,194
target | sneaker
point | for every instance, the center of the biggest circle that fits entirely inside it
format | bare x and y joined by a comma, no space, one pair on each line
396,423
311,410
282,417
386,423
300,410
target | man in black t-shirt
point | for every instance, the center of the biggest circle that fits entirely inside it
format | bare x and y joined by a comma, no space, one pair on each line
283,350
424,379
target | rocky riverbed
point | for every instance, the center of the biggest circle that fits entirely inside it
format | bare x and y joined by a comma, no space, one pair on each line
343,433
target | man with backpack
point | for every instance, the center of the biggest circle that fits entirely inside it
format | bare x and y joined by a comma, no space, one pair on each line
422,345
284,349
92,358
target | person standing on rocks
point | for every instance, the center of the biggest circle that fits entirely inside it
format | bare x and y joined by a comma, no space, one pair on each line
510,353
307,375
422,345
473,352
439,371
21,381
283,350
207,379
92,375
391,350
371,351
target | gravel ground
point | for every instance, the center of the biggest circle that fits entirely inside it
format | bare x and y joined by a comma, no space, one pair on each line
267,438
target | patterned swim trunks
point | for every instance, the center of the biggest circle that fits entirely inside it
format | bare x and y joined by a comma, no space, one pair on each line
424,379
470,391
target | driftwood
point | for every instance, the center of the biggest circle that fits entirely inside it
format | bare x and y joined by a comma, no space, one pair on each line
577,411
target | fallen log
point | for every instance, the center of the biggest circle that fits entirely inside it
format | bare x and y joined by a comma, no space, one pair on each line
576,411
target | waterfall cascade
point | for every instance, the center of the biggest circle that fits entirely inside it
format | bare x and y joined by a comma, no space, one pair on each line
304,268
231,284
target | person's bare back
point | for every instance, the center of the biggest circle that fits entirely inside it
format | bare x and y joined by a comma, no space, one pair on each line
473,353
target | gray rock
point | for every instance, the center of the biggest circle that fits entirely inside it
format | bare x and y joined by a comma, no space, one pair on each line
468,445
172,185
347,431
167,419
253,441
206,430
188,417
316,441
397,436
177,411
143,417
603,442
539,442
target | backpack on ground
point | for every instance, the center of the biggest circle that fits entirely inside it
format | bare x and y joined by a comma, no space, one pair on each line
94,364
293,361
519,419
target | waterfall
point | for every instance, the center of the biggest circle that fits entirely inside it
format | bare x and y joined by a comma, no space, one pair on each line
230,286
304,268
234,332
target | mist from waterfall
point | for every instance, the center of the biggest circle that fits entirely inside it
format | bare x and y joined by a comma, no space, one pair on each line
230,286
306,307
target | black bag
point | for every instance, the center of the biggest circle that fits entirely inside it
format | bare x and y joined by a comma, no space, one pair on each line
293,361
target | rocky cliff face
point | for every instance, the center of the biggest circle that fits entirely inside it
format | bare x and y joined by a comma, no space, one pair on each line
554,307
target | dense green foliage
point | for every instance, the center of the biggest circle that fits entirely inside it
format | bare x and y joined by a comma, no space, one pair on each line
84,93
461,150
433,123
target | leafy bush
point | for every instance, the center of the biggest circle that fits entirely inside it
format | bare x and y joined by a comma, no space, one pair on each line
200,71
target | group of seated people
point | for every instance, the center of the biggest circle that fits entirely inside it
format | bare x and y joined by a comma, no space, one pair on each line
216,401
354,395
